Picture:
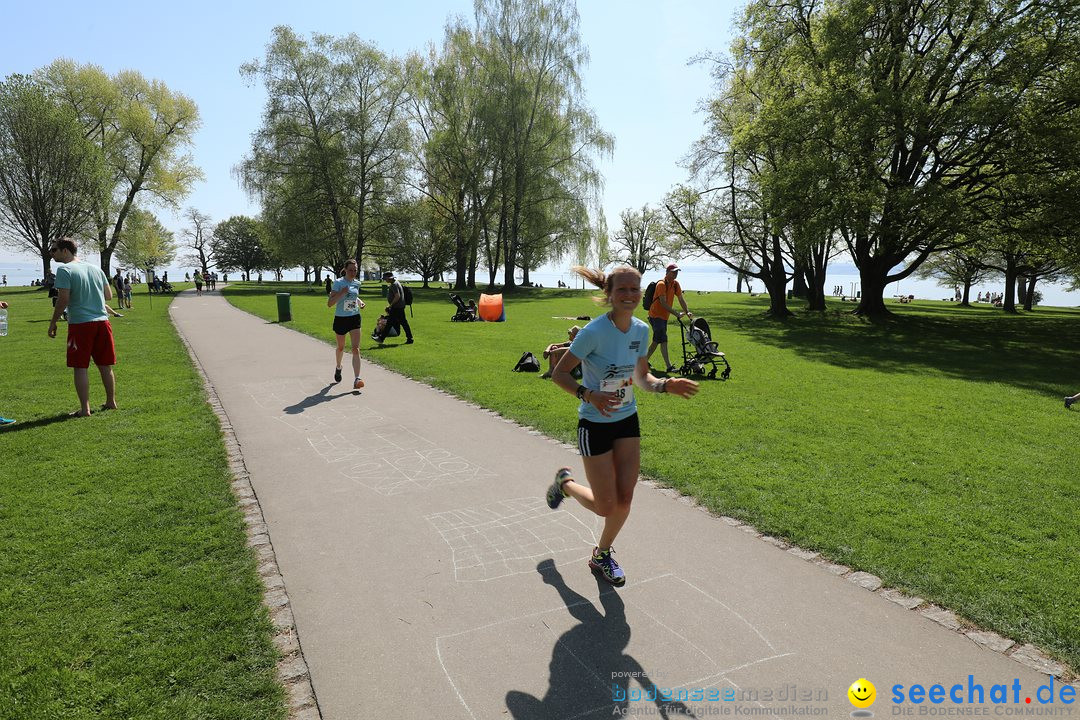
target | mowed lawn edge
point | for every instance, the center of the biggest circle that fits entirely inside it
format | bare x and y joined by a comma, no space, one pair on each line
127,584
930,450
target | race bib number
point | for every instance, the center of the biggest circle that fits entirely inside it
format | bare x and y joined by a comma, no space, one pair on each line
352,305
621,387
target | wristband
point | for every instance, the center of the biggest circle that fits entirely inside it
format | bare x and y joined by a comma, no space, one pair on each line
581,392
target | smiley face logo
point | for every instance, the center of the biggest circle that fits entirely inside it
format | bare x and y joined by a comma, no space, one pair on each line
862,693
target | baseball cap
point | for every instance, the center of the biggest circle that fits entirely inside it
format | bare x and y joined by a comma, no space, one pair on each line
673,268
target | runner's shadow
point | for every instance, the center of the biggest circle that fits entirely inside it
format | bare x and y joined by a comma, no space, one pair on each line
590,673
40,422
317,399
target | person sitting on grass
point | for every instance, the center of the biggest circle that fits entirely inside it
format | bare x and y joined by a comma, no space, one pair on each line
554,352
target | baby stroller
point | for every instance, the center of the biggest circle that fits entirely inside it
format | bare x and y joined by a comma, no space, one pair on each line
464,312
699,350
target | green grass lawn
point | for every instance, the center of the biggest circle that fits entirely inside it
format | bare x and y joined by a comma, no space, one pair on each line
933,450
126,588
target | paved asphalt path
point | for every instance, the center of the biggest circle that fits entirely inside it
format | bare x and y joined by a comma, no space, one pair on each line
429,579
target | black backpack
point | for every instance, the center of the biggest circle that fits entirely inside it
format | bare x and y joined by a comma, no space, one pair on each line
527,363
406,294
647,298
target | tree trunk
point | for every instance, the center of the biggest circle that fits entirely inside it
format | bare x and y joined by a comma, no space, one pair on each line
799,286
46,263
1008,303
815,292
1029,293
966,302
777,298
106,261
738,282
872,303
1021,286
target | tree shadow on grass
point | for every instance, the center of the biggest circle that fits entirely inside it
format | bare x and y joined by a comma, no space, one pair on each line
1019,350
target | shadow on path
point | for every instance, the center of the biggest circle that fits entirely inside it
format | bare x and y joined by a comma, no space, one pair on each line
317,399
590,673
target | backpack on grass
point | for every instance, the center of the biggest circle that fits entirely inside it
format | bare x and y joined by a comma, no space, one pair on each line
650,294
527,363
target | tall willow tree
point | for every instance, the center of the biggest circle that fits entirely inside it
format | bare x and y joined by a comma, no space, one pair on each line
334,137
454,154
143,132
546,135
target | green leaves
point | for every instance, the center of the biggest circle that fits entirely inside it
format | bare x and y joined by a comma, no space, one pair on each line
140,129
50,175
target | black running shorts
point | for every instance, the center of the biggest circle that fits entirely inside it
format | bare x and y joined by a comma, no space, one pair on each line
345,323
597,438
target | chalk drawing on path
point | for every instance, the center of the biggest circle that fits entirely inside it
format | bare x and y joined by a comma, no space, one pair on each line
397,460
563,660
510,537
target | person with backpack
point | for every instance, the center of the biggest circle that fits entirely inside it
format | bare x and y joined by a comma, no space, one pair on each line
660,309
395,310
611,353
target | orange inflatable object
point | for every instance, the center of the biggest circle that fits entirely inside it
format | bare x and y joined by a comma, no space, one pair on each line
490,308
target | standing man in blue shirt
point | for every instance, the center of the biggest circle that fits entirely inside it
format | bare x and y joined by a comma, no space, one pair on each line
83,290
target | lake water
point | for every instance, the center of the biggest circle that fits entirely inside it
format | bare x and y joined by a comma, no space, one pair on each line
692,278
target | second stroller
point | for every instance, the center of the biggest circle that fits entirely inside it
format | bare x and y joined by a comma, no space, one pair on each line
465,313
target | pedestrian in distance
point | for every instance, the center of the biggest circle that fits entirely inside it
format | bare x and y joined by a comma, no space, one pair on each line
395,307
198,282
345,295
611,350
127,292
83,291
664,295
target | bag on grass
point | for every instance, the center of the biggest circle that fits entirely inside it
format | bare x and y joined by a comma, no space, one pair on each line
527,363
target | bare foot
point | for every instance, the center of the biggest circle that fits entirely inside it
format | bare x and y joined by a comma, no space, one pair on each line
78,413
109,406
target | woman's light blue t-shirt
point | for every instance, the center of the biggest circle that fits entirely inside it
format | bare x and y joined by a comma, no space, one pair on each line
608,357
349,304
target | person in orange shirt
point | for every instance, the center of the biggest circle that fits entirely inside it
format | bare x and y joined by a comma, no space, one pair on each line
664,295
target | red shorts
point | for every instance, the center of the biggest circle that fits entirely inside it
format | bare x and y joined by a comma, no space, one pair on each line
90,340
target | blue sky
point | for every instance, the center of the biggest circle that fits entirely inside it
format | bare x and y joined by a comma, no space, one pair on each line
638,80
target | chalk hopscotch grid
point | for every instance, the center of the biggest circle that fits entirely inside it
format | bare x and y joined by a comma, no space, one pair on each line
509,537
718,677
396,460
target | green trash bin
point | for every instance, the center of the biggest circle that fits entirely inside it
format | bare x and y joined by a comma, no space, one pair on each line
284,309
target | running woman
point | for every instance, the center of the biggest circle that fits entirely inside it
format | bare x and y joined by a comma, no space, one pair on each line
345,293
612,352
